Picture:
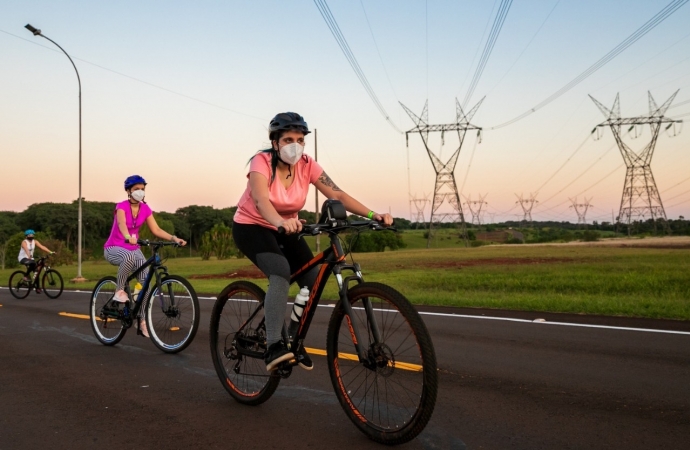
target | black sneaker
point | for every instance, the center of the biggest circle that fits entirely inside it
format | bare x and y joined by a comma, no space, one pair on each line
276,354
304,360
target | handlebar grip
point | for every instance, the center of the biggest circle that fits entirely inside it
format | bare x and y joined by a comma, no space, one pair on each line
281,230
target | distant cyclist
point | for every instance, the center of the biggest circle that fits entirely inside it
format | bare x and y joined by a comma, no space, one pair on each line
279,180
26,252
121,248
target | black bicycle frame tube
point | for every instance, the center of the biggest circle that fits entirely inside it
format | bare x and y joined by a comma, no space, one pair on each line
154,264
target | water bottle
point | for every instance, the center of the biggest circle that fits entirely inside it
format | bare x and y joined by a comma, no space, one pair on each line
137,289
297,310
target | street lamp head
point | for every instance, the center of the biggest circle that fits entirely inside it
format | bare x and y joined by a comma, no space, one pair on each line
35,31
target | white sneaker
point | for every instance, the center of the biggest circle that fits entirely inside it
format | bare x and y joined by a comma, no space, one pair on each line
120,296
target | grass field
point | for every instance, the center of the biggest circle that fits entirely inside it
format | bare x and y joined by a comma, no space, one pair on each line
609,280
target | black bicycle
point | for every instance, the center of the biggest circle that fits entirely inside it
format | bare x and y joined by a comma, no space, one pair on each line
380,356
22,282
171,306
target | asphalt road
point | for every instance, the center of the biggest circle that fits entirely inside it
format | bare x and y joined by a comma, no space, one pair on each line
503,384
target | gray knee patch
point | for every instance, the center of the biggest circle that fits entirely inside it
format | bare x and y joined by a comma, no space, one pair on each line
273,264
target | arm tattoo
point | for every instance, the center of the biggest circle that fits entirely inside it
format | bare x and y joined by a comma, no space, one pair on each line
326,180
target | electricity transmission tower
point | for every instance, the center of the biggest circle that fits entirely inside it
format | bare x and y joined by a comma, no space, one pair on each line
527,204
581,210
640,197
445,189
419,204
475,207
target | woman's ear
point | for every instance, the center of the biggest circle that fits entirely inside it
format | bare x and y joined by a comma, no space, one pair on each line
274,144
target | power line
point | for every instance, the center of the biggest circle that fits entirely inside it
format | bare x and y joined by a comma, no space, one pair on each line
486,27
564,164
526,47
627,42
488,47
677,184
345,48
189,97
379,51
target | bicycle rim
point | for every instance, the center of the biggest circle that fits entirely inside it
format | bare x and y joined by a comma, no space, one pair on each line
237,323
392,397
108,330
18,287
52,283
173,314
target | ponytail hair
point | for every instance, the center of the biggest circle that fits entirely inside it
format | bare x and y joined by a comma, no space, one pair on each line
274,162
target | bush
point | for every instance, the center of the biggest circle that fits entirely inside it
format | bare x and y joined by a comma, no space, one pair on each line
218,241
377,242
591,236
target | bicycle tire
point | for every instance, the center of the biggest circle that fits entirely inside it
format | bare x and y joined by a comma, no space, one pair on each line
172,328
52,283
18,287
244,377
100,296
392,401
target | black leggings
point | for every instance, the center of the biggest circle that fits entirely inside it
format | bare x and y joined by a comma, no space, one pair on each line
277,256
29,263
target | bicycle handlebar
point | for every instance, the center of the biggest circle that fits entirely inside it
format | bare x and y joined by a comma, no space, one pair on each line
318,228
147,243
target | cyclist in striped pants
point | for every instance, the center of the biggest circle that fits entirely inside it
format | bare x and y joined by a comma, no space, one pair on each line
121,248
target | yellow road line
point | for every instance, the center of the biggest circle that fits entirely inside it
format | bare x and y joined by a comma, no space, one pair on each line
313,351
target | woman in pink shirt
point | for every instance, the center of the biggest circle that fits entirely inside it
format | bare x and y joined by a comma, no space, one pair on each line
279,180
121,248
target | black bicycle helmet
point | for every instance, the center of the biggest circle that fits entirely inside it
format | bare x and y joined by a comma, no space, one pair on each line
287,121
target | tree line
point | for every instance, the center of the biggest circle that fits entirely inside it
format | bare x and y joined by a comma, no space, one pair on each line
56,224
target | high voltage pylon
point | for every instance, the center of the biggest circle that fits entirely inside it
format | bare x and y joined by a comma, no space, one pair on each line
445,188
475,207
419,204
581,210
527,204
640,197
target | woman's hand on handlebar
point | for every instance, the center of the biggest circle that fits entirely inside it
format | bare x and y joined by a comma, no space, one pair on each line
178,241
385,219
132,240
291,226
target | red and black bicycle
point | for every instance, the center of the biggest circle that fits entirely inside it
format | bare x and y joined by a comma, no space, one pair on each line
380,356
22,282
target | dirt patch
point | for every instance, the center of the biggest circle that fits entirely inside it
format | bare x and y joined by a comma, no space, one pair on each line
496,262
245,272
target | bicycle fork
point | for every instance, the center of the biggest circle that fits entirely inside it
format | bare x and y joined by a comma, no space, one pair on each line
343,284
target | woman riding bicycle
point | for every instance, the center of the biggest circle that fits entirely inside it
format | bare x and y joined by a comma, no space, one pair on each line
279,179
121,248
26,253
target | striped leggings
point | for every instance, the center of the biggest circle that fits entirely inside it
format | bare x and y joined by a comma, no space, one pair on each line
128,261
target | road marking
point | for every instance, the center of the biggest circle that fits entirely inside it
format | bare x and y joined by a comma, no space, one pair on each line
314,351
350,357
510,319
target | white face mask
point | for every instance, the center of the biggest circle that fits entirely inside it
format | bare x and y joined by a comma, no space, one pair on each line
138,195
291,153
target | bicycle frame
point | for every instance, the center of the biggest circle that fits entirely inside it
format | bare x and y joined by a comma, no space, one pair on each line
157,270
331,260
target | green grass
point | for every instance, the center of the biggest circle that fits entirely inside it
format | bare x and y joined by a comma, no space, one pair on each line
639,282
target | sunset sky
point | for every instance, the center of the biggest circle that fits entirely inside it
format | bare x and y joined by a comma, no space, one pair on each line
182,93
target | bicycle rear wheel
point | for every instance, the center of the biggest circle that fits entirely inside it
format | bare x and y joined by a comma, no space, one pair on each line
172,314
238,342
52,283
108,330
391,396
18,286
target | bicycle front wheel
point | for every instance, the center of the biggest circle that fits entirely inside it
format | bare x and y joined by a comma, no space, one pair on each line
108,329
391,395
238,342
52,283
19,287
172,314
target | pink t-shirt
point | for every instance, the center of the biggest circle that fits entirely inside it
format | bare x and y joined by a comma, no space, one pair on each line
116,238
287,202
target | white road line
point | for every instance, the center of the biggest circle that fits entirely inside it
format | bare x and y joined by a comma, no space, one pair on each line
506,319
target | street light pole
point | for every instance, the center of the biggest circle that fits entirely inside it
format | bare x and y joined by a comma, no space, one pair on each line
37,32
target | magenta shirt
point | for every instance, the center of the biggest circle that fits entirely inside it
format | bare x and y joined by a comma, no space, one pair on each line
287,202
116,238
